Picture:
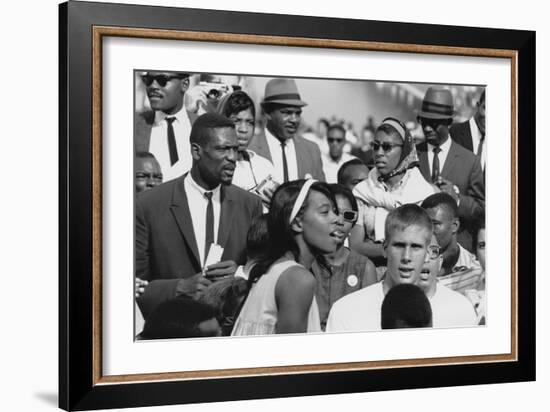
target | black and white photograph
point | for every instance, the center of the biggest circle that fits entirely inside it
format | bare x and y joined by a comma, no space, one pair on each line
287,205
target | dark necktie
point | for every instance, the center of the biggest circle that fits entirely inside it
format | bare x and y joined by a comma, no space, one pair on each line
480,146
172,141
285,164
209,238
435,165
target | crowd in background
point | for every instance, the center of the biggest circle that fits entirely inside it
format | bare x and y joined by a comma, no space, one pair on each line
251,222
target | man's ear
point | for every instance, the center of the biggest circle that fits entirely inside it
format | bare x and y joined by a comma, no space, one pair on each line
184,84
196,151
455,226
296,225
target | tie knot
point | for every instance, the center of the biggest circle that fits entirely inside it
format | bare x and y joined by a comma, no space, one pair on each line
437,149
283,143
208,195
170,120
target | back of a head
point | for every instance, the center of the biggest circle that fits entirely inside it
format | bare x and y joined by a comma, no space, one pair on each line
406,306
441,199
343,175
257,238
177,318
202,127
406,216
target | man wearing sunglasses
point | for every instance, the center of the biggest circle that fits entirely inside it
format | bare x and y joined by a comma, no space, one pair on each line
450,309
454,169
164,130
336,157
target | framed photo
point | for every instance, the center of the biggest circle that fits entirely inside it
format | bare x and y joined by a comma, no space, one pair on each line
108,55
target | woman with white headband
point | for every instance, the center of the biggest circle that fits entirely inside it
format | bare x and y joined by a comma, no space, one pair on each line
302,222
395,181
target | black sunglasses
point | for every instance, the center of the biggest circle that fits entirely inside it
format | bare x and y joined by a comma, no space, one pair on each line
349,215
331,140
161,79
386,147
433,123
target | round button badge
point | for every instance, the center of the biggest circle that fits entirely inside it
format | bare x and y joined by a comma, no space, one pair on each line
352,280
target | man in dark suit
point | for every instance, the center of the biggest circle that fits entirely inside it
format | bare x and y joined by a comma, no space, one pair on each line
181,223
164,130
471,134
293,156
452,168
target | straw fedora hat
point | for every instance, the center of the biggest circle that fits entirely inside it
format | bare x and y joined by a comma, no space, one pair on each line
437,104
282,91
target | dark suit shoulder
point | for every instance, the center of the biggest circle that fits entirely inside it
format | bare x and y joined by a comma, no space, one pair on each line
238,194
147,117
462,151
160,194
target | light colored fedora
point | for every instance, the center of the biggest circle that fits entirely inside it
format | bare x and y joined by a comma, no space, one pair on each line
282,91
437,104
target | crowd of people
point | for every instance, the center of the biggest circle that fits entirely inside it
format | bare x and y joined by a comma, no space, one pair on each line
242,231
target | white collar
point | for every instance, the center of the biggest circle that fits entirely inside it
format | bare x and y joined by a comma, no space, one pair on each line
444,147
199,189
180,115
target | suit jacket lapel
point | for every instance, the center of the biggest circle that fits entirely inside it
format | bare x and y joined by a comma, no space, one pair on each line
182,215
300,158
424,165
226,215
450,160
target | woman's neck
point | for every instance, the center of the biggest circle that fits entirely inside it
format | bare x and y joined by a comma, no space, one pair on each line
306,253
338,257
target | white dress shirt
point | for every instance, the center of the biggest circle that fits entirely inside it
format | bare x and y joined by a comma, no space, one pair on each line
158,145
331,167
476,137
277,157
197,206
248,174
442,155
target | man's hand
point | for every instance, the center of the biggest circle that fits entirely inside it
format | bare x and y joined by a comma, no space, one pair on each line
140,286
192,287
446,186
267,193
220,270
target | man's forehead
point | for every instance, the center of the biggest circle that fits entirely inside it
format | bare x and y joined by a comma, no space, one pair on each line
412,230
222,135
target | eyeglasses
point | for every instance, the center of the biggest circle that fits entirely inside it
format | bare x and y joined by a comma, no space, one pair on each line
433,123
433,252
161,79
349,215
386,147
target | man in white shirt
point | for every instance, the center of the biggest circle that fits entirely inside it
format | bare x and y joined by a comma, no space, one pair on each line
454,169
471,134
164,130
450,309
336,157
408,233
293,157
460,269
180,223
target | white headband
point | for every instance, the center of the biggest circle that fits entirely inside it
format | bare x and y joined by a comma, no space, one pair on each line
396,126
301,198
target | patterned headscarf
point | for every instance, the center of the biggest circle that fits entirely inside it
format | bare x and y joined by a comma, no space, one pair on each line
409,157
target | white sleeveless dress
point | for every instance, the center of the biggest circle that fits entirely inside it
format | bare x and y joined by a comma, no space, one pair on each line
259,313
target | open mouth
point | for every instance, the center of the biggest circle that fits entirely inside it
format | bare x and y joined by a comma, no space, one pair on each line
338,235
424,274
406,273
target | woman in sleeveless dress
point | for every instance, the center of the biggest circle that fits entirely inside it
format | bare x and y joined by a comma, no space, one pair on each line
302,222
